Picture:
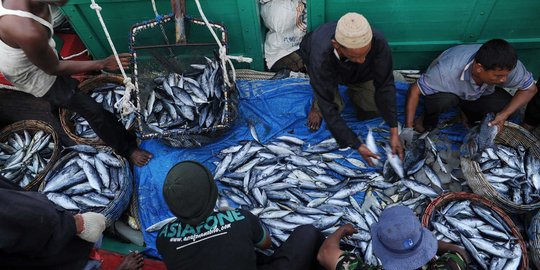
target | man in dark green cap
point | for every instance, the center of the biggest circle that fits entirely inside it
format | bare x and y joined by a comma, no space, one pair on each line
201,238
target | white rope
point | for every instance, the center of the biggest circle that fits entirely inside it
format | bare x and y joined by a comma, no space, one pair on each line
155,8
124,103
75,55
223,51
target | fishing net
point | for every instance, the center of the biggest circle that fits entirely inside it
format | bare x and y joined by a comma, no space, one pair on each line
155,61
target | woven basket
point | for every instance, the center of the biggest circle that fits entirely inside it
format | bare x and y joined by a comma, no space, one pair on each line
134,210
33,126
119,204
512,135
442,200
534,240
87,87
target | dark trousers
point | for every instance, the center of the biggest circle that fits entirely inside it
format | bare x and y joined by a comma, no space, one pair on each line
36,234
65,94
299,252
475,110
532,113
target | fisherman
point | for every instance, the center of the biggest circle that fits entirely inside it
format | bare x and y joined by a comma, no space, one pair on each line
37,234
350,52
532,113
399,241
471,77
28,59
202,238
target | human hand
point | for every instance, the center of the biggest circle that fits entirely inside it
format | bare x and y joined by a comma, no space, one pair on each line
110,63
346,230
499,120
367,154
395,143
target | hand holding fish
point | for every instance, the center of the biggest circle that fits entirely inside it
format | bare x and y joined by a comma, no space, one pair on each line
367,154
110,63
499,120
395,143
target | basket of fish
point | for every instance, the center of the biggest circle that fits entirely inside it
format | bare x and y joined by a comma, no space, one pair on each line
105,89
184,98
534,239
480,227
90,179
28,150
503,166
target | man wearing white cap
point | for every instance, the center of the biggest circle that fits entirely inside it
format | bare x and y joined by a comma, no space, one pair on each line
350,52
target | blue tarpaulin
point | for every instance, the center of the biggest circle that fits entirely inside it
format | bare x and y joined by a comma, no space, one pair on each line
275,108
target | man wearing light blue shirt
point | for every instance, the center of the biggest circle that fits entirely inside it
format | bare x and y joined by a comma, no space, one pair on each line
471,77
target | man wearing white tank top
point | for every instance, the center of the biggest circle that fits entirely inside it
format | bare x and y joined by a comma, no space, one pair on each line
29,60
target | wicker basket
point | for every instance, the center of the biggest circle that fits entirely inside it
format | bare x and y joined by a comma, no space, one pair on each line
134,210
33,126
119,204
534,240
513,135
442,200
87,87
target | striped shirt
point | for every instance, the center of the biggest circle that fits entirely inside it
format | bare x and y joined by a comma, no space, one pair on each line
451,73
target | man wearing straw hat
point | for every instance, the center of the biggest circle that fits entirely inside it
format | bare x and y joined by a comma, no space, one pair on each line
28,59
350,52
201,238
400,243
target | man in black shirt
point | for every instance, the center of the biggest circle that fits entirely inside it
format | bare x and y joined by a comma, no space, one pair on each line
201,238
349,52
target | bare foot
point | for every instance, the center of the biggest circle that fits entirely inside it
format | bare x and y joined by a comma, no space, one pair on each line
133,261
314,119
140,157
419,124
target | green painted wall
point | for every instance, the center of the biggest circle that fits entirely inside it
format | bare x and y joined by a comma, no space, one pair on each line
239,16
418,30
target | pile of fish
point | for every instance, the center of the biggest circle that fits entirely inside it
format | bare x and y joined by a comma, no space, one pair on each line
288,183
86,181
23,156
481,231
513,172
427,172
107,95
182,104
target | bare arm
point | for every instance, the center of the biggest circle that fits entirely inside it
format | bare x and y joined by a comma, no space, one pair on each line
34,42
413,96
329,252
267,241
519,100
